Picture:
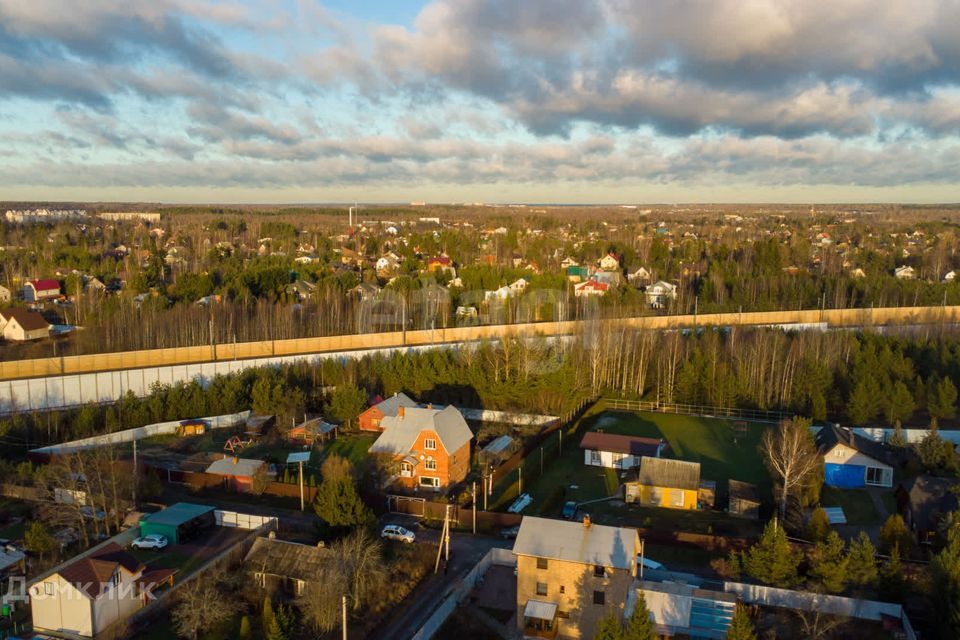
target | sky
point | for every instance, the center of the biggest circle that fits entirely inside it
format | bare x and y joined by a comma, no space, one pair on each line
566,101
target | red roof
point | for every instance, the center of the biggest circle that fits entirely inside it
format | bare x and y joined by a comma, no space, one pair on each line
440,260
614,443
91,574
45,285
593,284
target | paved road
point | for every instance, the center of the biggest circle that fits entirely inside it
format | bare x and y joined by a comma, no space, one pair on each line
465,551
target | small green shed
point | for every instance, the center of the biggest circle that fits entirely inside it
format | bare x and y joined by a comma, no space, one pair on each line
179,522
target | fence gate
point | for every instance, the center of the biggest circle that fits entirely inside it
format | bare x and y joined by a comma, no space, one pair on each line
406,504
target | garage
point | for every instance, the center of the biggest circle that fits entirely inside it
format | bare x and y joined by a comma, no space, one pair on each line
179,522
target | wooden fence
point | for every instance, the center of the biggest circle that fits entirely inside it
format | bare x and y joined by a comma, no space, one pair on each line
757,415
99,362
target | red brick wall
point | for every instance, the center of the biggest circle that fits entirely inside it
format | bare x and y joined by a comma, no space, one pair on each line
369,420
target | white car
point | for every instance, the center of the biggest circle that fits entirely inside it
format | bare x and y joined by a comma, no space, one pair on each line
396,532
152,541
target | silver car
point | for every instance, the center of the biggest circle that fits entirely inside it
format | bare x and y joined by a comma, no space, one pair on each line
152,541
396,532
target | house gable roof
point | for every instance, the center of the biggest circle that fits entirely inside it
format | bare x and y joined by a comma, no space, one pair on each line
45,284
288,559
573,542
632,445
400,433
91,574
230,466
28,320
930,496
665,472
831,435
390,406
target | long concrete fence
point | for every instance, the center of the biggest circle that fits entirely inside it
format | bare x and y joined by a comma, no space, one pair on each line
70,381
19,369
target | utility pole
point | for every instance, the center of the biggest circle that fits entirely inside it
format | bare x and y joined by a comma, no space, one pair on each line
444,539
485,494
301,485
343,607
560,448
474,507
520,480
135,477
541,460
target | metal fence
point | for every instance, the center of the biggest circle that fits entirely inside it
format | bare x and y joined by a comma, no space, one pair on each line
756,415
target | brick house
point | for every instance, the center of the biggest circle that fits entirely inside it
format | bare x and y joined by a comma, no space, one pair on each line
370,419
428,449
572,574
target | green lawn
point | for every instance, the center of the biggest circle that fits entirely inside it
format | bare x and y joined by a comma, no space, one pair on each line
857,505
721,452
712,442
351,446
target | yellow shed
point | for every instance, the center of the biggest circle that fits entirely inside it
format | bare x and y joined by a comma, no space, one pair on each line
665,483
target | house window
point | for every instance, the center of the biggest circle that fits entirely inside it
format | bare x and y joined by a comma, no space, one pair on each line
563,614
298,587
542,563
676,497
599,597
48,588
430,444
375,422
838,453
594,457
656,495
874,475
541,588
430,465
429,482
598,571
563,589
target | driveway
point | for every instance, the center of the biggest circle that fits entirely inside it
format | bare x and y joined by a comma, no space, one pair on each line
410,614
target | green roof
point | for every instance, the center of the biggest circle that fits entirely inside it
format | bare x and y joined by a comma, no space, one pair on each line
177,514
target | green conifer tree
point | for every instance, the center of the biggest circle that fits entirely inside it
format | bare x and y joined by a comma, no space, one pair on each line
640,626
245,633
862,562
773,560
741,628
945,577
609,628
819,526
828,564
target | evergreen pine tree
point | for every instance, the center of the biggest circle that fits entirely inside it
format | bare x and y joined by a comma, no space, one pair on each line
640,626
862,562
741,628
245,633
891,580
894,533
282,626
819,526
339,504
608,628
773,560
945,577
828,564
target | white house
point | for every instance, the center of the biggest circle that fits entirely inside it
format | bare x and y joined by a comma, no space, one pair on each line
905,273
500,294
640,276
660,292
949,276
851,461
519,286
5,294
590,288
610,262
38,290
614,451
89,594
20,325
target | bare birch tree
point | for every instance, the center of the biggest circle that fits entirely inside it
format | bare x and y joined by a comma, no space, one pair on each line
791,456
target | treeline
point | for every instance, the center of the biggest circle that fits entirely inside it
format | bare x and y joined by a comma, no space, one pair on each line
858,378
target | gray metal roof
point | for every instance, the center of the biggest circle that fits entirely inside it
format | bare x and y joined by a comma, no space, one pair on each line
389,406
243,467
400,432
673,474
597,544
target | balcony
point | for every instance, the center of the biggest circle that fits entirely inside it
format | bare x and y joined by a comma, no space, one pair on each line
540,619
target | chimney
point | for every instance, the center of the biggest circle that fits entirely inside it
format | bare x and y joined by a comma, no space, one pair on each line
586,521
235,459
400,412
429,405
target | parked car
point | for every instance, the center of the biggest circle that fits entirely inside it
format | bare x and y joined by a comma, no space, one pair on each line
570,510
396,532
510,533
152,541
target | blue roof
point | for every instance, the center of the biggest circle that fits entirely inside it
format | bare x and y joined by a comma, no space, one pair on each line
177,514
